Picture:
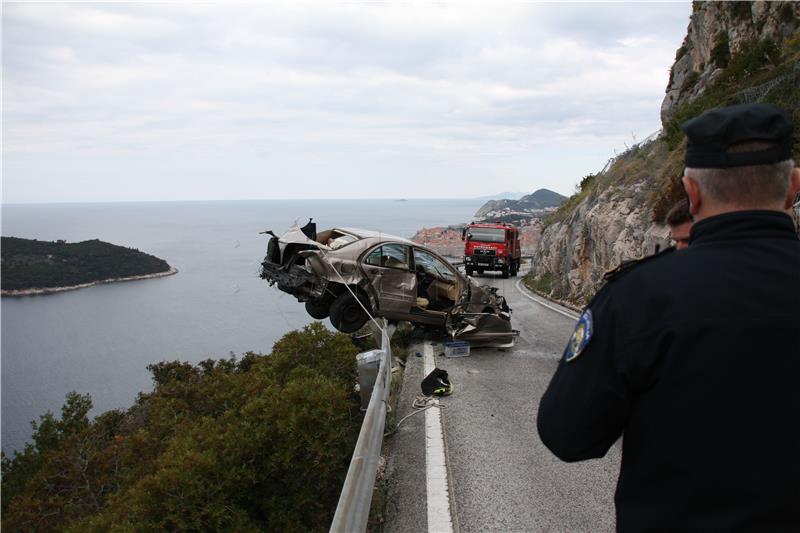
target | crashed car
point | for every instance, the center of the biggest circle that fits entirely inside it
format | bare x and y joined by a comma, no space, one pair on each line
346,273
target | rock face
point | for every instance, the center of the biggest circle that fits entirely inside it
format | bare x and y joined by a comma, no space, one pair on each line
717,31
607,226
617,214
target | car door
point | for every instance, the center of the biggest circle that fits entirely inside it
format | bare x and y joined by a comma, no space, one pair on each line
438,282
387,268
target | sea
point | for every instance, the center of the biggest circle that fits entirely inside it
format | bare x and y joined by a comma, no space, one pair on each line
100,340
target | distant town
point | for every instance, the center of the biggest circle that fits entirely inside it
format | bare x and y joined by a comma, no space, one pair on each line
526,213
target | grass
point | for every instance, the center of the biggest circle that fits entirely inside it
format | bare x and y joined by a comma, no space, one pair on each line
542,284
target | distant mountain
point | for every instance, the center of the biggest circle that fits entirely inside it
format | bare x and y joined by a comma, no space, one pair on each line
530,205
542,199
503,196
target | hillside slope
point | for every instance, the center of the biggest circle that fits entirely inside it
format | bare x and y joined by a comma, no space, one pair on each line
734,52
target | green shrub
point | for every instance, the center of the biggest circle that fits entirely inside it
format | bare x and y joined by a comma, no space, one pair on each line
721,53
262,444
741,10
543,284
690,81
787,12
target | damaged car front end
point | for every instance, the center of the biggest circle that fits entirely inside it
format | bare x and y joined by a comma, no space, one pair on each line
350,274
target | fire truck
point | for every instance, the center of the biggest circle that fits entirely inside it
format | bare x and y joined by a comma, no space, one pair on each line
491,246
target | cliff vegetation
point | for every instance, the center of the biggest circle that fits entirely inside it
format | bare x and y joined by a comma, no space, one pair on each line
258,444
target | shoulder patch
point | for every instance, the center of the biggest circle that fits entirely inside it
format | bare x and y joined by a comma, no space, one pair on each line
580,337
630,264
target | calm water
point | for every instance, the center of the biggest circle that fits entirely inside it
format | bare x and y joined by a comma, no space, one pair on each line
100,340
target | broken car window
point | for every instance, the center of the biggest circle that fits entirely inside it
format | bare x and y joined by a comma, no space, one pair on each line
433,266
394,256
374,257
388,256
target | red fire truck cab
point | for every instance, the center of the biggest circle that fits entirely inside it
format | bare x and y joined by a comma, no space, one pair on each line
491,246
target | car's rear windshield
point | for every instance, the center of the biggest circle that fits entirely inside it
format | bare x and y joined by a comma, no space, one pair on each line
487,234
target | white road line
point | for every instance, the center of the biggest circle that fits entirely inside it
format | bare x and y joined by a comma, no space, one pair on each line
437,488
540,302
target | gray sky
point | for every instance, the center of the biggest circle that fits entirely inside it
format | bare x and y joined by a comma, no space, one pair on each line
180,101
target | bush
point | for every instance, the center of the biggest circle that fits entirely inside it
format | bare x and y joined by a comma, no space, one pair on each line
262,444
721,53
690,81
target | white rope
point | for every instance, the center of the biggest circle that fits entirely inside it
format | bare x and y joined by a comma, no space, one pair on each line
420,404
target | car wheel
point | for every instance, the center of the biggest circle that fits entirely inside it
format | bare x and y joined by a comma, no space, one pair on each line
318,309
505,271
470,271
346,314
480,272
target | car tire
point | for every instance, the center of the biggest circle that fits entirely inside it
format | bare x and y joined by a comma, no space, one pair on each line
505,271
480,272
318,309
470,271
346,314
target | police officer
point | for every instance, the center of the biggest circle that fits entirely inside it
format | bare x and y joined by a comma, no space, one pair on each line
694,357
679,220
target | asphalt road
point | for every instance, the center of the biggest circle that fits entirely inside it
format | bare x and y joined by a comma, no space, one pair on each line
502,478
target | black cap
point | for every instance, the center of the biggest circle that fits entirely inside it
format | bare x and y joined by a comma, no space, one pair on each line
711,135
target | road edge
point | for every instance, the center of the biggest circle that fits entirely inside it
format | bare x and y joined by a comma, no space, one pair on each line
523,290
437,482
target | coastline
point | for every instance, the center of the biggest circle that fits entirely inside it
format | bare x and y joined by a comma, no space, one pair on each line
52,290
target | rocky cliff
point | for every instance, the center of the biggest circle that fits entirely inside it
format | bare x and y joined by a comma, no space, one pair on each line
717,32
734,52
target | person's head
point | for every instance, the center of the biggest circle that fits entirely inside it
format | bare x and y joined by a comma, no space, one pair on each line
739,158
679,220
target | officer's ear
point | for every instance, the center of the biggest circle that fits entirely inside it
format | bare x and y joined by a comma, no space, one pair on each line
794,188
693,194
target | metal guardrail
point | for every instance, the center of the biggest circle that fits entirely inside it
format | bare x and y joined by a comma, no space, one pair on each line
355,500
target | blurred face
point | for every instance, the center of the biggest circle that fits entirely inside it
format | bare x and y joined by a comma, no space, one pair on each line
680,235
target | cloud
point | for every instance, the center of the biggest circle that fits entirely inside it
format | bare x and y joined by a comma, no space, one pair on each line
386,87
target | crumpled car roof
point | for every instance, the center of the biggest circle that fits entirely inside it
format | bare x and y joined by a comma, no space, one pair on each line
366,233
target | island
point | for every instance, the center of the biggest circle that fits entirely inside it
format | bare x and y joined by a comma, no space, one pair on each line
30,266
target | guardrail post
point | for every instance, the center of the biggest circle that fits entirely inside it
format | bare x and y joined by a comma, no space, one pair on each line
368,365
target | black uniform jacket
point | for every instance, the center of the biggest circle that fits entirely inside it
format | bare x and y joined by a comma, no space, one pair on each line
695,357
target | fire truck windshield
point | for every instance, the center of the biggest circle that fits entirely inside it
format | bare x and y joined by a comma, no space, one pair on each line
487,234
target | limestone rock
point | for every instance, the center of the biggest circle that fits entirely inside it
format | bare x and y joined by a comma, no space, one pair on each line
721,25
